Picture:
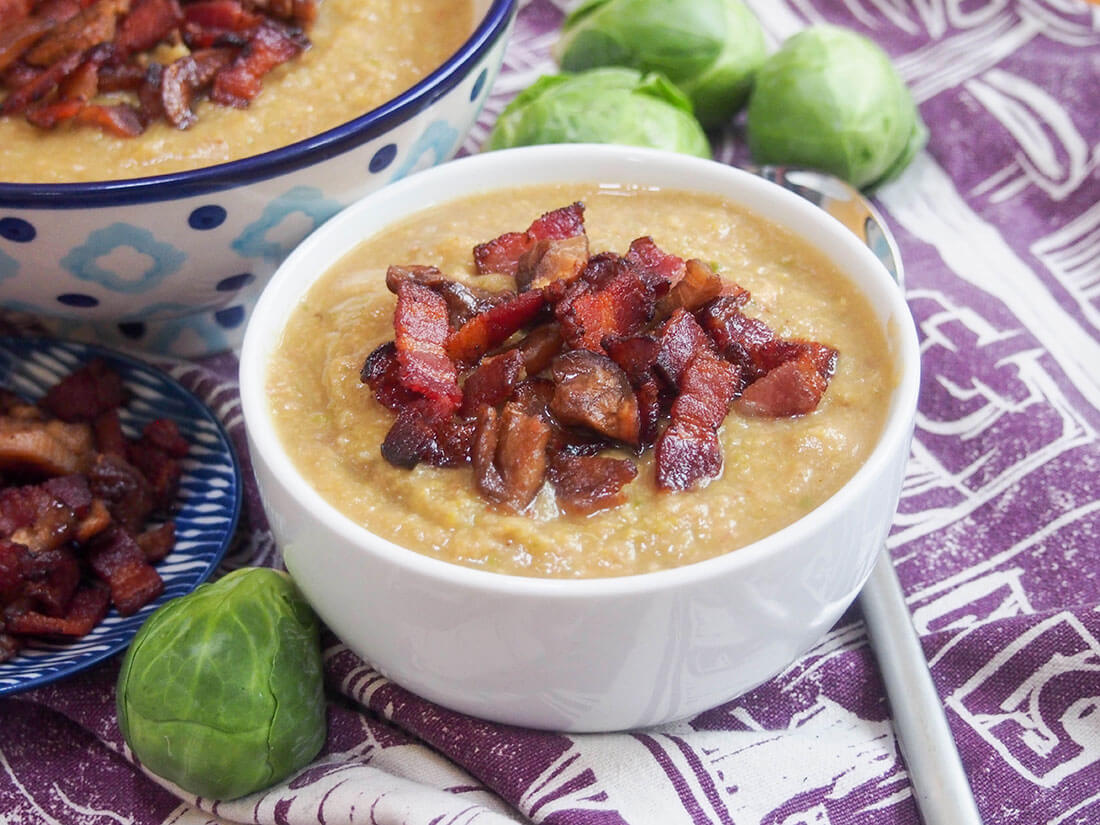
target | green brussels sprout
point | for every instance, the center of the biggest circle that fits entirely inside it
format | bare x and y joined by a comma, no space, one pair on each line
221,690
612,105
831,99
709,48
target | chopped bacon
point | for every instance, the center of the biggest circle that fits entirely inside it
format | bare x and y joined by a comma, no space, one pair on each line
58,54
502,254
121,486
510,455
42,85
221,15
654,262
148,23
688,451
19,36
793,388
85,393
50,579
739,338
270,45
587,484
681,338
91,26
426,432
463,302
591,354
422,328
44,447
590,390
117,558
621,304
487,331
86,609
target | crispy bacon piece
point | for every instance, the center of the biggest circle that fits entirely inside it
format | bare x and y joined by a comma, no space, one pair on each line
42,85
23,33
587,484
688,451
463,302
509,455
14,558
91,26
493,382
590,390
740,339
487,331
12,11
118,559
50,579
502,254
635,354
148,23
382,374
221,16
681,338
793,388
422,329
426,432
656,264
621,303
120,120
156,456
268,46
85,393
86,609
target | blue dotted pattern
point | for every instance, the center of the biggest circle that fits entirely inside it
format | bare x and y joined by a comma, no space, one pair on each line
207,217
17,230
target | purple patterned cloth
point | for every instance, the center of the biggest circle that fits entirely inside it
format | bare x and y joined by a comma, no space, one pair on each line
997,538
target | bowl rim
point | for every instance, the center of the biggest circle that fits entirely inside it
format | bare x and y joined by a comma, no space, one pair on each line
279,161
261,334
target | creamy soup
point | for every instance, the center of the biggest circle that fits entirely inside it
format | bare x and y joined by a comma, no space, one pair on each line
364,53
775,470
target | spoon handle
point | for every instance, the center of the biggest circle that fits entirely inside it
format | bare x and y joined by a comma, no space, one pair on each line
936,771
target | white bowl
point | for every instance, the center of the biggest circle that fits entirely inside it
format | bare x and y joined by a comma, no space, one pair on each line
595,654
173,263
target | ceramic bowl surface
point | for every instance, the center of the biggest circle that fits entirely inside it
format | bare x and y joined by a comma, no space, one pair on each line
208,503
596,654
173,264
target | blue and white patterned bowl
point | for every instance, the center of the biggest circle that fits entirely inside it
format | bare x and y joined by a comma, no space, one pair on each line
209,500
172,264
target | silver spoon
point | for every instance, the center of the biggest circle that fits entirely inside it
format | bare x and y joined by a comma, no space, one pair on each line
936,772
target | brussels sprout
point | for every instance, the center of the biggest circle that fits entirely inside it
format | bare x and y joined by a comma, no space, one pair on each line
221,690
610,105
831,99
709,48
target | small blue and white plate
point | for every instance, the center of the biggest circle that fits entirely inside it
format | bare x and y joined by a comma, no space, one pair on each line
207,509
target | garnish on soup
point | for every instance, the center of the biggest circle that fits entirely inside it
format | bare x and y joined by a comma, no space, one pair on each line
592,360
119,65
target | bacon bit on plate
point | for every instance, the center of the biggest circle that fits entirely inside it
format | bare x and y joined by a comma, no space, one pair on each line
84,510
95,62
592,359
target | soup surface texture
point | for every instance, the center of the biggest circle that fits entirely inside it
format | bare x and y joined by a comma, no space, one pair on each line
775,470
363,53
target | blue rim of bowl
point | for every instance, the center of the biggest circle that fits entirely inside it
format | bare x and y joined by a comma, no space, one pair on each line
123,629
279,161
